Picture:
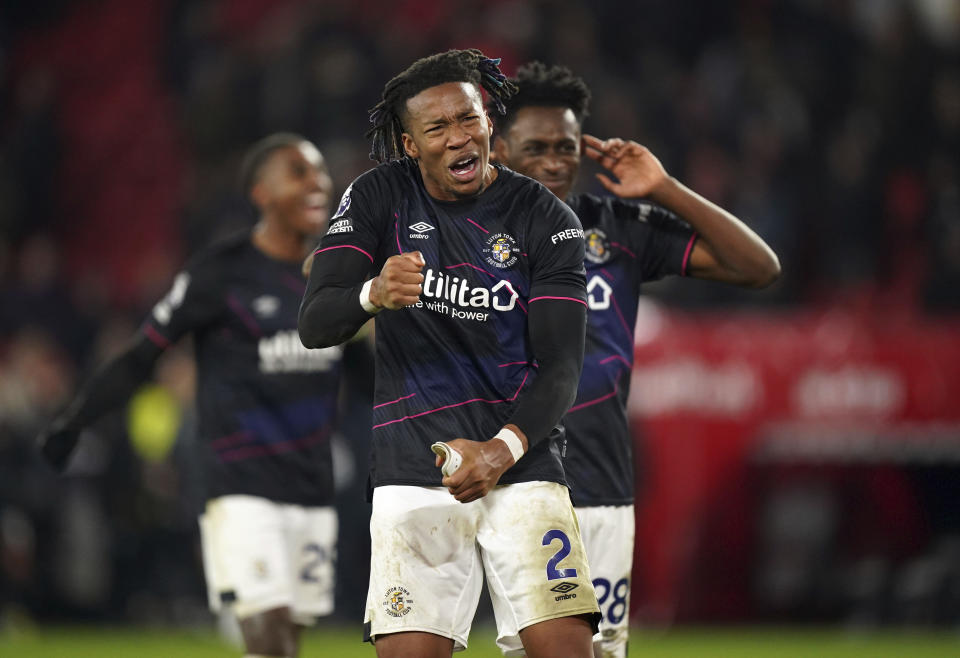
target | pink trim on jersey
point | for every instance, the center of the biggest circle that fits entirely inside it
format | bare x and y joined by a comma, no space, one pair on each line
626,327
514,292
231,439
590,403
623,249
616,389
515,363
607,274
244,316
383,404
616,357
457,404
396,228
344,246
280,447
156,337
477,225
686,255
492,276
479,269
571,299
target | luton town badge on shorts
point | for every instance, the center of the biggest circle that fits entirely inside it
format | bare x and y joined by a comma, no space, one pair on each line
397,602
596,247
501,250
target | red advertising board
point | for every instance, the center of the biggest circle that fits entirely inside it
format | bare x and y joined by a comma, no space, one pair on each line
713,393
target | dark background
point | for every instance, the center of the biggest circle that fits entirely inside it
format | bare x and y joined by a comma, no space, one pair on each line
832,128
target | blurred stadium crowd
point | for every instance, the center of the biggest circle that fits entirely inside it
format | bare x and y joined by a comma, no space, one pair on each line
832,128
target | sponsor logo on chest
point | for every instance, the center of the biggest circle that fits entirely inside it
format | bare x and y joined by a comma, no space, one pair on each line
457,298
284,353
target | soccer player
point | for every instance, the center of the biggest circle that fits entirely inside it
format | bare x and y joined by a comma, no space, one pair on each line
266,404
475,276
634,237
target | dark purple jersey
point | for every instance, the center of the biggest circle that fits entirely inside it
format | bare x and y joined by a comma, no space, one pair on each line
627,243
455,364
266,404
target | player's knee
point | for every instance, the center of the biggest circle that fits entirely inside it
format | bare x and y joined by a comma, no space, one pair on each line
271,633
611,642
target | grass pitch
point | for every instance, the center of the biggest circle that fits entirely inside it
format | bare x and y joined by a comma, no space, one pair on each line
345,643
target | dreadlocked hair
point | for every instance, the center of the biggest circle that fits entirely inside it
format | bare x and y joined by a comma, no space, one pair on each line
540,86
452,66
258,154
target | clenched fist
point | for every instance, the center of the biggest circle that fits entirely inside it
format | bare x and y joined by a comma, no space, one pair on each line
400,282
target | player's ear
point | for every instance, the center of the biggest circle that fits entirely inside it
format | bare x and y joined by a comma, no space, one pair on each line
259,195
489,124
410,146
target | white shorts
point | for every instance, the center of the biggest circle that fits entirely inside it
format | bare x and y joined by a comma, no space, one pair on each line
259,555
430,553
607,533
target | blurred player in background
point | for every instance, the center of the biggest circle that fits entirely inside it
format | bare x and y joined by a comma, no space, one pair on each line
266,404
664,228
475,275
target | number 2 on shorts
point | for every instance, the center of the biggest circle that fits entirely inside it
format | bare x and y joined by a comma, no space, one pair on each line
552,572
309,572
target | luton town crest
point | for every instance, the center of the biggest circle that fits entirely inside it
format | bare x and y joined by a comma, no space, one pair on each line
596,247
501,250
397,602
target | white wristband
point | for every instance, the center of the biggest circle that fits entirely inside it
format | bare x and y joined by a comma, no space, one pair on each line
365,302
513,442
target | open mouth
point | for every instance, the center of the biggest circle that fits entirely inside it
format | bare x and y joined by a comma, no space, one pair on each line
317,209
465,168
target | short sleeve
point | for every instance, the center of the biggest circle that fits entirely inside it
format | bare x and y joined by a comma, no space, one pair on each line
660,238
556,250
194,301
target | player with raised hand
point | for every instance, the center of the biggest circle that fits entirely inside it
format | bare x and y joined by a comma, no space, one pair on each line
655,226
475,276
266,404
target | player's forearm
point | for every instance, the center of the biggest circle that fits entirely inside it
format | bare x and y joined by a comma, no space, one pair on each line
330,316
742,255
557,329
330,312
112,385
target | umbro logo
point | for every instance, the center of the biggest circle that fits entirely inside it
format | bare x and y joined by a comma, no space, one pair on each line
564,587
420,228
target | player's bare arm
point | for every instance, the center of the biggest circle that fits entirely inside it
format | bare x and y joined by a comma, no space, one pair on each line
727,249
399,283
483,464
